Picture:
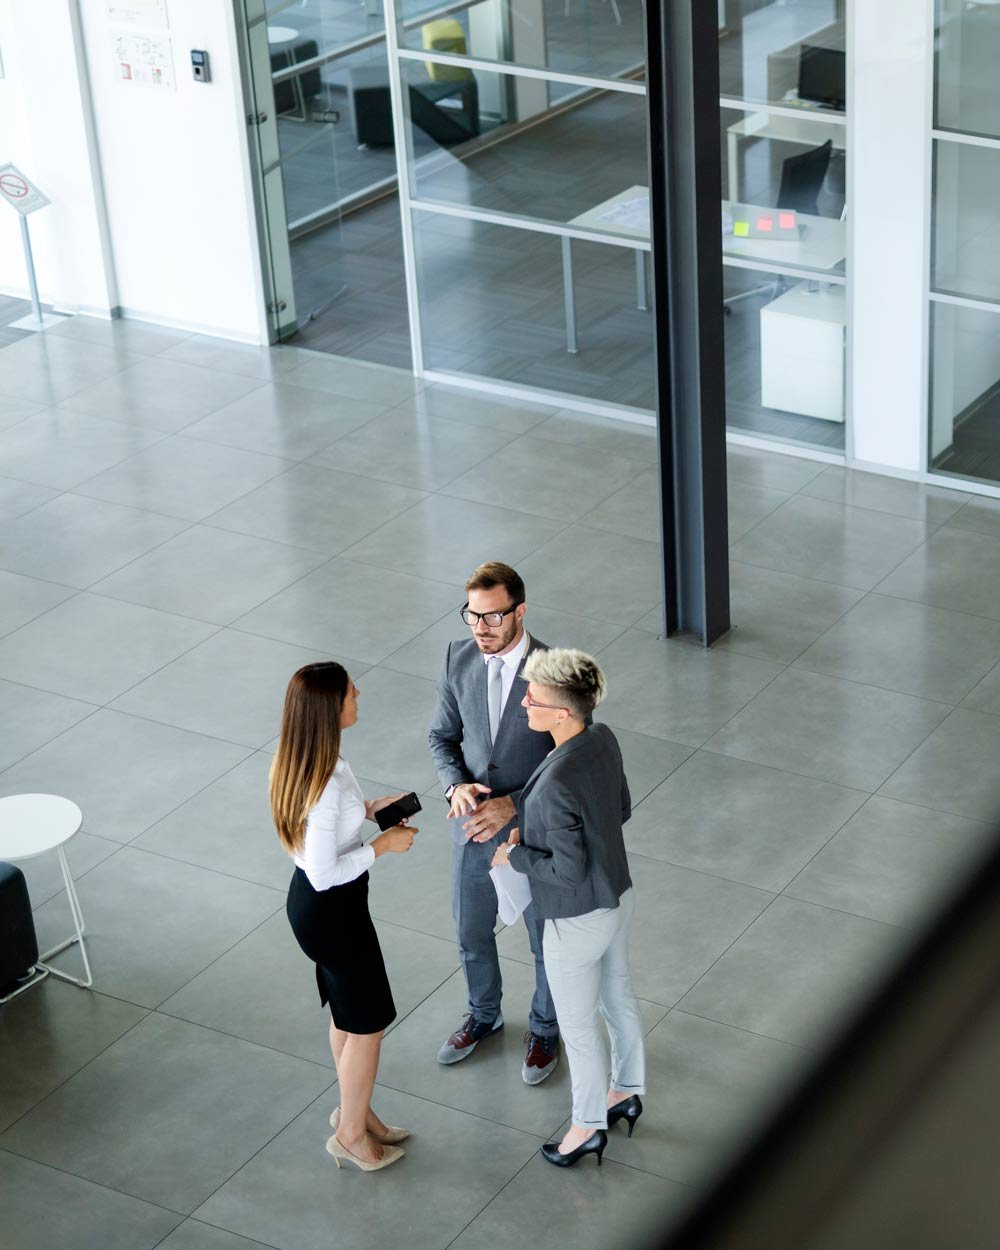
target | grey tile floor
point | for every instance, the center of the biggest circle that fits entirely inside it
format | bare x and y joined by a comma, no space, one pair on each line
184,522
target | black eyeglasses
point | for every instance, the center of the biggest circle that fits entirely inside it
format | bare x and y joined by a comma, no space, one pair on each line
491,618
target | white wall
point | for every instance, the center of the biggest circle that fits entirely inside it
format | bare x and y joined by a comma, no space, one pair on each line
44,131
888,180
182,244
177,178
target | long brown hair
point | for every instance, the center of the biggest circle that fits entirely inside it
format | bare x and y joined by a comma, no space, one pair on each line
308,748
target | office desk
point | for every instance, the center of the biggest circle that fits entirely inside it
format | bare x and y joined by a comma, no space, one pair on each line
822,245
784,129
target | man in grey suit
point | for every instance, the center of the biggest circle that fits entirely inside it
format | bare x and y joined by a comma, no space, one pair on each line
484,753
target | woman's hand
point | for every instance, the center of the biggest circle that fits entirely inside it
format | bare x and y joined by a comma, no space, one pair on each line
375,805
502,854
395,840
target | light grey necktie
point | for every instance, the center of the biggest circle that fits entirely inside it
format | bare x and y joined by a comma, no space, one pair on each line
494,693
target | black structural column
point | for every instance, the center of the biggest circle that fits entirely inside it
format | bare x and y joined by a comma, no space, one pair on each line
682,41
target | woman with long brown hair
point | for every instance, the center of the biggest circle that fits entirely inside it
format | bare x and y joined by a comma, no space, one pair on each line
319,810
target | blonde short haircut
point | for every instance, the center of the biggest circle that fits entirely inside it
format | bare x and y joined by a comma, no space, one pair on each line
577,676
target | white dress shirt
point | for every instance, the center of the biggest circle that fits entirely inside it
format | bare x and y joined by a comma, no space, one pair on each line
511,663
333,852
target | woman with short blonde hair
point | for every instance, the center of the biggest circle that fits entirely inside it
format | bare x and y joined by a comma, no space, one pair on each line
318,811
569,844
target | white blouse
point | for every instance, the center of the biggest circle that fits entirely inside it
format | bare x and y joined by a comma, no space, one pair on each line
333,852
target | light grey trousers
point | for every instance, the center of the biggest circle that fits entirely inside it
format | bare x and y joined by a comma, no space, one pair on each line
586,959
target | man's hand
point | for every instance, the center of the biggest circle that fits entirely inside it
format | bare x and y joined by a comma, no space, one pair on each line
489,818
465,797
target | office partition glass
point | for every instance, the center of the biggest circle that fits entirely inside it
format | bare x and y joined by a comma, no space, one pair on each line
967,57
600,38
525,197
964,425
493,304
965,241
790,52
783,78
553,171
964,383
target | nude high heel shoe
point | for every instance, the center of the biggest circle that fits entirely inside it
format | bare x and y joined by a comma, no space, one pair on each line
340,1153
391,1136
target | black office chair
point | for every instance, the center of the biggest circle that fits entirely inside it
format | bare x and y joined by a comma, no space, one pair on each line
801,182
802,179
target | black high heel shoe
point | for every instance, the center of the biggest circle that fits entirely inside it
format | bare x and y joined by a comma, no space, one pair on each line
628,1109
594,1145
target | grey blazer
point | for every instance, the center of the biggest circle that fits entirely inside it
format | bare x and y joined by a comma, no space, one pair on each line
460,731
571,814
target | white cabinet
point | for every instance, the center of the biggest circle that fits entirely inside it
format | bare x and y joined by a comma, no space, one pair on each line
802,352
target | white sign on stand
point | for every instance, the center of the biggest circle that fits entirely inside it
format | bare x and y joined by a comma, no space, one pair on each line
17,190
19,193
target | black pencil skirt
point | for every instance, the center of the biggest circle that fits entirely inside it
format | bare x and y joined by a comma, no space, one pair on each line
334,929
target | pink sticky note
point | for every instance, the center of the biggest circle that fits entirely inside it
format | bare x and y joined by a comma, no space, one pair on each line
765,223
786,221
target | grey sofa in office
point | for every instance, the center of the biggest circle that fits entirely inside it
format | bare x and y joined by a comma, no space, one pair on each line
372,110
18,944
288,99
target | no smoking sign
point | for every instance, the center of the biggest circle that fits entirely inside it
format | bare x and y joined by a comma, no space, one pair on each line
19,192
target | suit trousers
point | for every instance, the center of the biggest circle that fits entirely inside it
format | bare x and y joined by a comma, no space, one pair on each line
587,962
474,906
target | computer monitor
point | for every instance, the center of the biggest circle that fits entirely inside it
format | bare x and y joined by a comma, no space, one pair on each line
823,76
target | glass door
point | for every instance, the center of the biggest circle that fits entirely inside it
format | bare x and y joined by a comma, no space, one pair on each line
294,117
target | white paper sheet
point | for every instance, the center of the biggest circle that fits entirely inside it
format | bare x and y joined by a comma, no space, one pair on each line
631,214
513,892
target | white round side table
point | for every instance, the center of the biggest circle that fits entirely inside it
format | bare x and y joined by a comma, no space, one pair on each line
31,825
281,34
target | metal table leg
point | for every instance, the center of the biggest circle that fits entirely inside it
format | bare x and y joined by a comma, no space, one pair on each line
38,975
74,906
569,293
641,300
732,160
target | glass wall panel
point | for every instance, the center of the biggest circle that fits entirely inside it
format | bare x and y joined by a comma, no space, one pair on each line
324,131
965,392
789,52
785,353
784,243
564,309
559,170
967,66
493,303
600,38
965,259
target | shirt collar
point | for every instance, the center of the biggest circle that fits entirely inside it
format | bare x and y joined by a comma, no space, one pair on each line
513,658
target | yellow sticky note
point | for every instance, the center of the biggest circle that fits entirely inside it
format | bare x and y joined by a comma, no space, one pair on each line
741,229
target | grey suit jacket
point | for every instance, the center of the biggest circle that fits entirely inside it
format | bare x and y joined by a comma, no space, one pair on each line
571,813
460,731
